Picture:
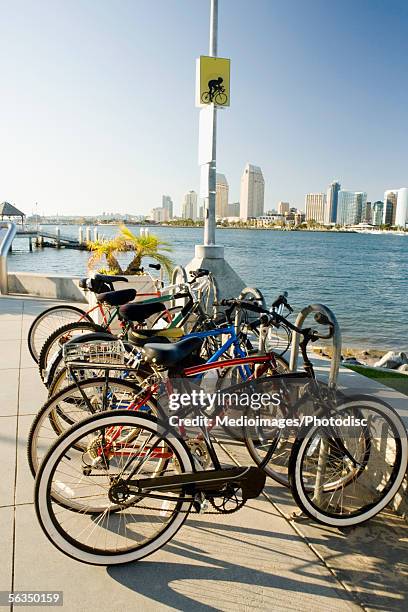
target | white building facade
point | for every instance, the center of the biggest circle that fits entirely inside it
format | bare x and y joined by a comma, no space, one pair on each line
189,207
221,196
252,193
315,204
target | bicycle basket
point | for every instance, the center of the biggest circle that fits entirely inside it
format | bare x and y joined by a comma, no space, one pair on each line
111,352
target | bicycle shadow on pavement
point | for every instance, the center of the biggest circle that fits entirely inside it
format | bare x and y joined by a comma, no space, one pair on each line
221,583
372,558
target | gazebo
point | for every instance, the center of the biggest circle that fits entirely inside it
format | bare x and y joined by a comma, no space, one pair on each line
8,210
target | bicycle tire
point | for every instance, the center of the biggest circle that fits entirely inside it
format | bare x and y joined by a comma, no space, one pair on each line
35,344
49,345
312,505
205,98
52,405
279,454
140,547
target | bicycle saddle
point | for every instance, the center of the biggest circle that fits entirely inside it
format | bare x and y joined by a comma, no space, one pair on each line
168,355
140,312
116,298
100,282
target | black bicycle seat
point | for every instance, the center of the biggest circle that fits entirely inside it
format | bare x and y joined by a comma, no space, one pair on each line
168,355
116,298
140,312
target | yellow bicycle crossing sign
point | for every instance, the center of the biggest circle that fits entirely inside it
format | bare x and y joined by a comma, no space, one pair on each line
213,81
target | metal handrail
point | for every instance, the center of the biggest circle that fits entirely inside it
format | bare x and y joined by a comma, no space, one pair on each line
336,340
5,245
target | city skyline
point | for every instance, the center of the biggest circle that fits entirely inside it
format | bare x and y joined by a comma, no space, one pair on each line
90,121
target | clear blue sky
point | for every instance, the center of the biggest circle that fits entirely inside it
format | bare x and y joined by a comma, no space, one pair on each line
97,102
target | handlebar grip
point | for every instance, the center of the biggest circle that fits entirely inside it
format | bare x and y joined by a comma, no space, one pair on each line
181,295
322,319
155,266
199,273
281,300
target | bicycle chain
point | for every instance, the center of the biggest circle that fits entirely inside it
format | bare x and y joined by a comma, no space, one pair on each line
215,511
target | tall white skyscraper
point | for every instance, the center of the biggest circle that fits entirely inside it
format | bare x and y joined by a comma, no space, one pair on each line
401,215
221,196
350,207
167,203
315,204
252,192
189,207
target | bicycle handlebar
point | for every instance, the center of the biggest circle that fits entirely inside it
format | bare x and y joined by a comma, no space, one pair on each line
274,318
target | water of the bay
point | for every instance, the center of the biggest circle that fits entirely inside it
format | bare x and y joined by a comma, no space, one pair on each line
363,278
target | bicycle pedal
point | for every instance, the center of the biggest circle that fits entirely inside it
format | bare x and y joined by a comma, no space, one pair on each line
200,503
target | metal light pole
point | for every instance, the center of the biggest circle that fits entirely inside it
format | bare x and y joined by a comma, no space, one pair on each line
210,255
209,216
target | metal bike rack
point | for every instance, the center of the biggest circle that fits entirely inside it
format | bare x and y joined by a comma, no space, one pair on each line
333,375
7,233
336,340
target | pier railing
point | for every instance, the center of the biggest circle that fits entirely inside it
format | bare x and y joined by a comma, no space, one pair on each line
7,233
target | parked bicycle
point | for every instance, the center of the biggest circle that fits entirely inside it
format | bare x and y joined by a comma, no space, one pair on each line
118,485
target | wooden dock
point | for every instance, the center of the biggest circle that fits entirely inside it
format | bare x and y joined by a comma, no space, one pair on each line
43,238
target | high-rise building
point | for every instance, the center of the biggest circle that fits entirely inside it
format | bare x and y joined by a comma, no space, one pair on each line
390,206
366,213
283,208
377,212
221,196
315,204
332,203
189,207
159,214
233,209
167,203
350,207
401,215
251,202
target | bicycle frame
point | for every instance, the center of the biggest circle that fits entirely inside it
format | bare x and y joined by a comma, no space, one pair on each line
205,432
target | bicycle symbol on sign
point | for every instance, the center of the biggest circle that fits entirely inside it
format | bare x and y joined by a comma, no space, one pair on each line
216,92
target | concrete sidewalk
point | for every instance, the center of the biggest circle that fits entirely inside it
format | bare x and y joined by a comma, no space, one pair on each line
258,558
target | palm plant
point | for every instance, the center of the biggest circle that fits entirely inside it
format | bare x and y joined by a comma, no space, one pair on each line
105,249
127,241
144,246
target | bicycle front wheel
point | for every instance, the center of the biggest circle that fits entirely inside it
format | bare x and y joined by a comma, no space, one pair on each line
346,478
120,531
47,322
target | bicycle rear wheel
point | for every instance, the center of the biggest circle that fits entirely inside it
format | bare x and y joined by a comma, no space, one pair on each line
74,403
48,321
347,484
113,532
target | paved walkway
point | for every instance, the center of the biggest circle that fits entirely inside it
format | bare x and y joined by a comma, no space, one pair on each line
256,559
